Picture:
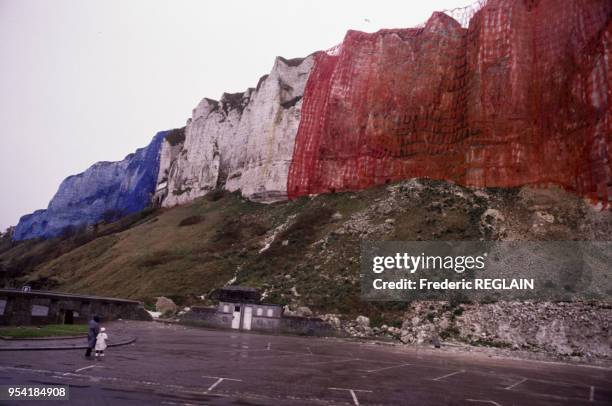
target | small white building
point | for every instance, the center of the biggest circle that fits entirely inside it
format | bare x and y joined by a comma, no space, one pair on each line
240,308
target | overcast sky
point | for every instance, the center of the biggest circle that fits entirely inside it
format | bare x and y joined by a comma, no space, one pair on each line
84,81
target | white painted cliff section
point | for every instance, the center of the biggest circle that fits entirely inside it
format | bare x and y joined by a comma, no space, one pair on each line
168,154
269,125
196,170
243,142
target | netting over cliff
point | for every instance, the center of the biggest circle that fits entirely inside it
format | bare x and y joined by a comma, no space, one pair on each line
521,96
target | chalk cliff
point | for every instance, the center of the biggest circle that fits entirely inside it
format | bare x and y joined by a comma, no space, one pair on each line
242,142
106,190
512,93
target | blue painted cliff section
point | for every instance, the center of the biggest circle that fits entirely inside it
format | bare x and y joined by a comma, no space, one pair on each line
105,190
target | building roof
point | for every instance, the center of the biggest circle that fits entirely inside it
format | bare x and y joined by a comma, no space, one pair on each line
236,288
238,294
62,295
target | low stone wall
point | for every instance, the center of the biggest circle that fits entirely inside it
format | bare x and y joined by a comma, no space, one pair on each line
313,326
34,308
212,318
206,317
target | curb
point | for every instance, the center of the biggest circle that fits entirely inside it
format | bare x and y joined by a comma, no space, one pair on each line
72,347
167,321
42,338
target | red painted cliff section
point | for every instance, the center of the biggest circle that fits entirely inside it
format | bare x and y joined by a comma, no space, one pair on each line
523,96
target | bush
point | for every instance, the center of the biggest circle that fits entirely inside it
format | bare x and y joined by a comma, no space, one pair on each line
111,215
306,225
215,195
157,258
176,136
450,332
191,220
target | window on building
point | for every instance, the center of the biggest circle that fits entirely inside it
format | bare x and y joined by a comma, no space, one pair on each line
39,310
270,313
225,308
259,311
2,306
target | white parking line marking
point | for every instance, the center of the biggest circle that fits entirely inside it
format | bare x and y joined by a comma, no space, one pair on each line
385,368
219,379
355,400
484,401
215,384
161,386
353,394
447,375
269,345
259,350
239,350
592,394
279,356
338,360
84,368
514,385
309,350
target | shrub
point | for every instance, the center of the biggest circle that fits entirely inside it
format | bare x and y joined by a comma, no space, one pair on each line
178,192
157,258
450,332
111,215
176,136
215,194
306,224
191,220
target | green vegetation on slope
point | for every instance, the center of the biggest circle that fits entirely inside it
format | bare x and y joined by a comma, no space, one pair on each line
49,330
303,252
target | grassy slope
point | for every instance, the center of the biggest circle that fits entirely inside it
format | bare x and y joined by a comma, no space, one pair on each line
154,258
313,259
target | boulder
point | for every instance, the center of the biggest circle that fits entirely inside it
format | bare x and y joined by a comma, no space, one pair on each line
304,311
165,305
363,321
288,312
332,320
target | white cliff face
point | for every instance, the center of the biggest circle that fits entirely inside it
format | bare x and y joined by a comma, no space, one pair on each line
168,153
242,142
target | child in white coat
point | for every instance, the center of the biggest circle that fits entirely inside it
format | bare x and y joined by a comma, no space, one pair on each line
101,343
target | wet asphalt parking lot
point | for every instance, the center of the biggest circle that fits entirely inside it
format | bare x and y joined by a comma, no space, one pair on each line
177,365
